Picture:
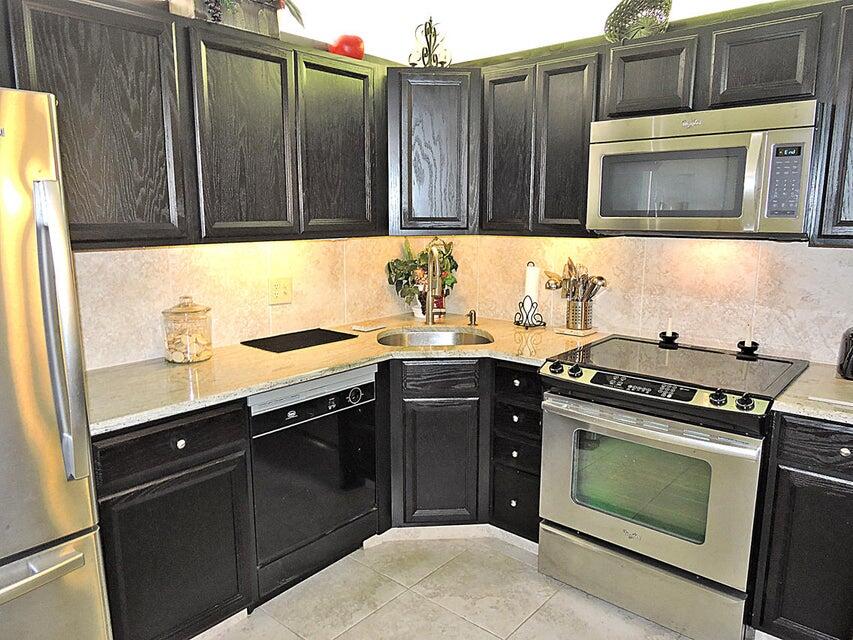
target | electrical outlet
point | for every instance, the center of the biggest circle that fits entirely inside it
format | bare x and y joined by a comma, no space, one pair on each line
281,290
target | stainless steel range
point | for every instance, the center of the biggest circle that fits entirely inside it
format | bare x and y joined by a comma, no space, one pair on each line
652,455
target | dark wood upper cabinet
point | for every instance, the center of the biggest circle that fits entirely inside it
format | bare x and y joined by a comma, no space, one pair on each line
245,110
836,223
507,169
565,106
651,77
806,550
440,456
766,61
433,149
335,139
114,75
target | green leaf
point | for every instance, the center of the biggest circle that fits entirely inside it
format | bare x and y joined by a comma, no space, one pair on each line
295,12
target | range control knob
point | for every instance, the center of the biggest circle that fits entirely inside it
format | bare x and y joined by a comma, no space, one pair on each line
556,367
718,398
575,371
745,402
355,395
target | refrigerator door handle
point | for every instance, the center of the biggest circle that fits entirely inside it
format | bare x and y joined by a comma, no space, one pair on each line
40,577
62,326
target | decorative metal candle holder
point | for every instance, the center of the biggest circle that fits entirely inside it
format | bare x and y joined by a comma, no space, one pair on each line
430,51
528,315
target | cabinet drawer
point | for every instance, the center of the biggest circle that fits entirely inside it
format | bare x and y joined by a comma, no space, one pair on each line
129,459
517,454
518,421
822,445
518,383
515,501
441,378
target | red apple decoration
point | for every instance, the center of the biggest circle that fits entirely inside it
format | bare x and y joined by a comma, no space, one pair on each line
350,46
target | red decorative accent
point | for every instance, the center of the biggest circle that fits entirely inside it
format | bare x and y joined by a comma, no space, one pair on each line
350,46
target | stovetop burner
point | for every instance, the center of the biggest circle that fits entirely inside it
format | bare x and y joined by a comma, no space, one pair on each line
692,381
762,376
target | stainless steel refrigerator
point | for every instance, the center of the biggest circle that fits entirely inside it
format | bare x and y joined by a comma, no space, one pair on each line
51,572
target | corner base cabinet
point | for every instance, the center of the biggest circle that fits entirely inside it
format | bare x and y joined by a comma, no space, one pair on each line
175,523
435,442
807,549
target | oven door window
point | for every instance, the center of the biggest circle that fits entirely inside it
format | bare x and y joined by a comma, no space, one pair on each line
664,491
699,183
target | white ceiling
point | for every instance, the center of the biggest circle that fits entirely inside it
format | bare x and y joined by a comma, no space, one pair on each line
474,28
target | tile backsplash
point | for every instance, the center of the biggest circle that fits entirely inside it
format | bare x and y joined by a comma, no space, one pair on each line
795,300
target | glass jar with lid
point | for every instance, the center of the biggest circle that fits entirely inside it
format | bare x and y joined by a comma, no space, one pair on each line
187,328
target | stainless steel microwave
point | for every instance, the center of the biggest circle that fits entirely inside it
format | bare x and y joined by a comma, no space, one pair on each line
740,171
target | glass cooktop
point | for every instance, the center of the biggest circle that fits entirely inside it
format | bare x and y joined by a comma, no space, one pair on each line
699,366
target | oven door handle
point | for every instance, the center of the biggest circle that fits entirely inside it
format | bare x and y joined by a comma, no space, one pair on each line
746,451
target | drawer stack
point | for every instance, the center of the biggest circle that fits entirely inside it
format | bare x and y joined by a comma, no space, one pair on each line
516,450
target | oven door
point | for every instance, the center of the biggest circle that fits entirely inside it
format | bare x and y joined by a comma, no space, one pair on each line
671,491
709,184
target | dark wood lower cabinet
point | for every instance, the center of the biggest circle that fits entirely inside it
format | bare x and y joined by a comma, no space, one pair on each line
178,543
808,553
440,460
439,434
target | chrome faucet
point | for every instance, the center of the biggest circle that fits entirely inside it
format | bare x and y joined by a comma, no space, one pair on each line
433,282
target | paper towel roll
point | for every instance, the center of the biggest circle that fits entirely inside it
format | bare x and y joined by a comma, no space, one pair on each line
532,276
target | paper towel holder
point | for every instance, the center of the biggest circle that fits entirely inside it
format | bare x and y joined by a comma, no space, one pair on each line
528,315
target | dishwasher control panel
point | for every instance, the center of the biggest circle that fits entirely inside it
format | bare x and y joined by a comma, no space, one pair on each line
312,409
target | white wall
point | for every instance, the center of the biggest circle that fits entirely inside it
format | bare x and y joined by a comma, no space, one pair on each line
474,28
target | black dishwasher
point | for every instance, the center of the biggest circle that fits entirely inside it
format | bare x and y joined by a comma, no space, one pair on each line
314,475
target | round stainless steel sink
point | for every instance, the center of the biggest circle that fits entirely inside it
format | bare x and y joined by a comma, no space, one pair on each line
434,337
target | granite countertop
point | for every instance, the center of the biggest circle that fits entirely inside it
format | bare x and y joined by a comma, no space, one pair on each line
819,393
132,394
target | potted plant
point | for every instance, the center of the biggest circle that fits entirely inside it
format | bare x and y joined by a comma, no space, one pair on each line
408,274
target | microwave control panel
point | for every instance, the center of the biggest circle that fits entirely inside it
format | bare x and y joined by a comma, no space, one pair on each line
786,169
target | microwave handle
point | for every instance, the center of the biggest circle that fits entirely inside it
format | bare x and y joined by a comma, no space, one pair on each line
754,179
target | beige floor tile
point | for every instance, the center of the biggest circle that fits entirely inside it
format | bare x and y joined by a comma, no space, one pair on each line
258,626
491,590
330,602
409,562
572,614
412,616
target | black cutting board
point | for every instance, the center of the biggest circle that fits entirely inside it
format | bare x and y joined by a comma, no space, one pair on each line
298,340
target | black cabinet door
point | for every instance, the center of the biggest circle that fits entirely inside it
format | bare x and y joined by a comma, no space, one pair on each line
114,75
433,149
245,122
810,561
766,61
651,77
507,184
440,460
836,224
335,139
178,551
565,106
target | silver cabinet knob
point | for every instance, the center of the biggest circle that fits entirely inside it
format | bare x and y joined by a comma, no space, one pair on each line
513,504
845,452
180,444
514,418
515,454
516,382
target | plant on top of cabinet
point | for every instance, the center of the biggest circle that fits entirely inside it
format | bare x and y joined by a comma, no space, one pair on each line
433,150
